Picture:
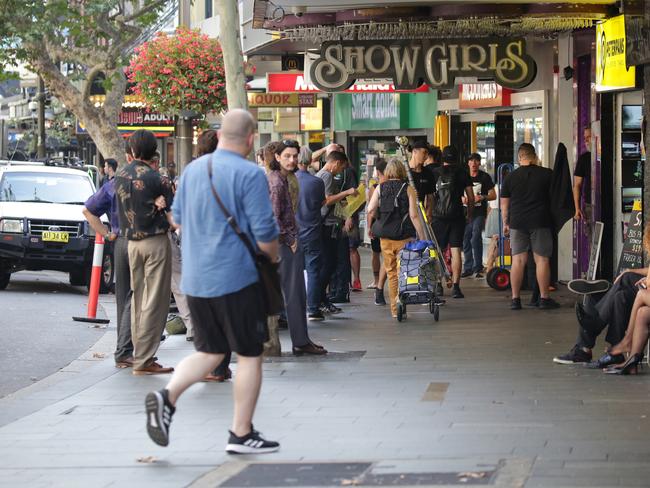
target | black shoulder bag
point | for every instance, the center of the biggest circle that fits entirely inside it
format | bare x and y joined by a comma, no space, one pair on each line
268,271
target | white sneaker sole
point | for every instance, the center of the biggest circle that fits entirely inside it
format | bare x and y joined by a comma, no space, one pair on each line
566,361
242,449
155,427
587,287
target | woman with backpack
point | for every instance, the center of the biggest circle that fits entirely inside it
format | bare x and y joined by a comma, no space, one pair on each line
393,218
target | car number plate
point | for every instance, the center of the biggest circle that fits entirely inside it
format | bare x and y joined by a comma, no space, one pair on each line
51,236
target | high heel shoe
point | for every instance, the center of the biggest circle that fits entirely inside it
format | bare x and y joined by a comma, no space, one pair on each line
631,366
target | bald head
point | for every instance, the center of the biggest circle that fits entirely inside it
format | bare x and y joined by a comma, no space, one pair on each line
237,126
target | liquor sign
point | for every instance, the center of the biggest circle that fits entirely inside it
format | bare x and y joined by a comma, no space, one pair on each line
281,100
410,63
295,82
482,95
637,41
612,72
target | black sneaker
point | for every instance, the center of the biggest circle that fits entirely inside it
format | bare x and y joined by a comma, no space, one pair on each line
515,304
252,443
316,316
588,287
533,303
159,416
330,309
456,293
548,304
379,297
577,355
466,274
479,275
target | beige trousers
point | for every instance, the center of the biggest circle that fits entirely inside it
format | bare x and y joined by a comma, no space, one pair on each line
151,269
390,249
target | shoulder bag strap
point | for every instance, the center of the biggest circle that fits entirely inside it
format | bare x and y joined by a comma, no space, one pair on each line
229,218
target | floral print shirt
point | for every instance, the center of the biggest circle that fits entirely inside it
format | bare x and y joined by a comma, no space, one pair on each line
282,207
137,185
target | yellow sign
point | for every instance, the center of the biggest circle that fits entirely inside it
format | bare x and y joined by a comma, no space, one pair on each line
611,70
49,236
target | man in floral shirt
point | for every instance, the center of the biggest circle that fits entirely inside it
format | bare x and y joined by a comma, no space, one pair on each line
137,185
292,260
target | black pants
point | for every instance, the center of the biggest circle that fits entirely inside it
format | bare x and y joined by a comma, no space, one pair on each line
124,348
330,255
340,285
613,309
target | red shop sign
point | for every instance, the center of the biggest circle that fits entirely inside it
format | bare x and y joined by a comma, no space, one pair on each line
295,82
482,95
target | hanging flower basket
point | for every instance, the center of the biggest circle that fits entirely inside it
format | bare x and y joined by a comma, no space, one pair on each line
181,74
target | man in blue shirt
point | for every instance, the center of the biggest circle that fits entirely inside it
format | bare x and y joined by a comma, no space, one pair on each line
310,201
105,202
221,281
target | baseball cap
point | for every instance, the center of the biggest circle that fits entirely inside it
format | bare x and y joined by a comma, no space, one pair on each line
450,155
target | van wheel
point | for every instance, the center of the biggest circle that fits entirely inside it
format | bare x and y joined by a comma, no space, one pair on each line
106,276
4,280
77,277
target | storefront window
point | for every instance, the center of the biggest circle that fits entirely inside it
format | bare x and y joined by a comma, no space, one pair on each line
529,127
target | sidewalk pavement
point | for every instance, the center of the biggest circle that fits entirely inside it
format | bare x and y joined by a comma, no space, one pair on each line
472,399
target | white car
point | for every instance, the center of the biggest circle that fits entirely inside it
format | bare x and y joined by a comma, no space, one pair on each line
42,226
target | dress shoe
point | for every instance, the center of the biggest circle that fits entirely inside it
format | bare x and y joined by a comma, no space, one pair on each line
309,348
631,366
214,377
153,368
124,363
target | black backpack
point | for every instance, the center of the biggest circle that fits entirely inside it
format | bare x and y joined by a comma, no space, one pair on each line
390,224
444,204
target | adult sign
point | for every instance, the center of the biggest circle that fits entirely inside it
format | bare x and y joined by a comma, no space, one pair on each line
295,82
281,100
612,72
482,95
411,63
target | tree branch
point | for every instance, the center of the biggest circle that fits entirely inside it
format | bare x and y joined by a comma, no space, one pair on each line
142,11
86,56
115,96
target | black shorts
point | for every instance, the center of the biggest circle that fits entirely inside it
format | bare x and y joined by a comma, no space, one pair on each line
234,322
449,231
375,244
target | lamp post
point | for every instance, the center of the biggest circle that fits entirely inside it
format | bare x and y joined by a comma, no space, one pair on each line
40,96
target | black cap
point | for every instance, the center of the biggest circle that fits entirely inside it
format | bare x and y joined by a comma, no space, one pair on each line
474,157
450,155
420,145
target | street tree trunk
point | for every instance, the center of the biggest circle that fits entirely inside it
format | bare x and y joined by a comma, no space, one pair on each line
100,122
233,58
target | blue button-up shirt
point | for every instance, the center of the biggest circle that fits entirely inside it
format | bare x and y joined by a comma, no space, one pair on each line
311,199
103,202
215,260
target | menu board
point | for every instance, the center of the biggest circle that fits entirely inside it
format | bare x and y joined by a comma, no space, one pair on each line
632,254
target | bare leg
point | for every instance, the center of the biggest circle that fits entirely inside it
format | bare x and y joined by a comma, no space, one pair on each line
640,335
493,250
376,266
191,370
624,346
355,262
517,272
248,382
543,270
456,264
382,277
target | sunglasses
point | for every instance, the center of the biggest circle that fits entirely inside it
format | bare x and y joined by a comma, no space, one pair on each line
291,143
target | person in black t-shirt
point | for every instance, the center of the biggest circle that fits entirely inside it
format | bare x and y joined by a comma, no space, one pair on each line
582,177
434,158
422,175
451,182
526,214
473,242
